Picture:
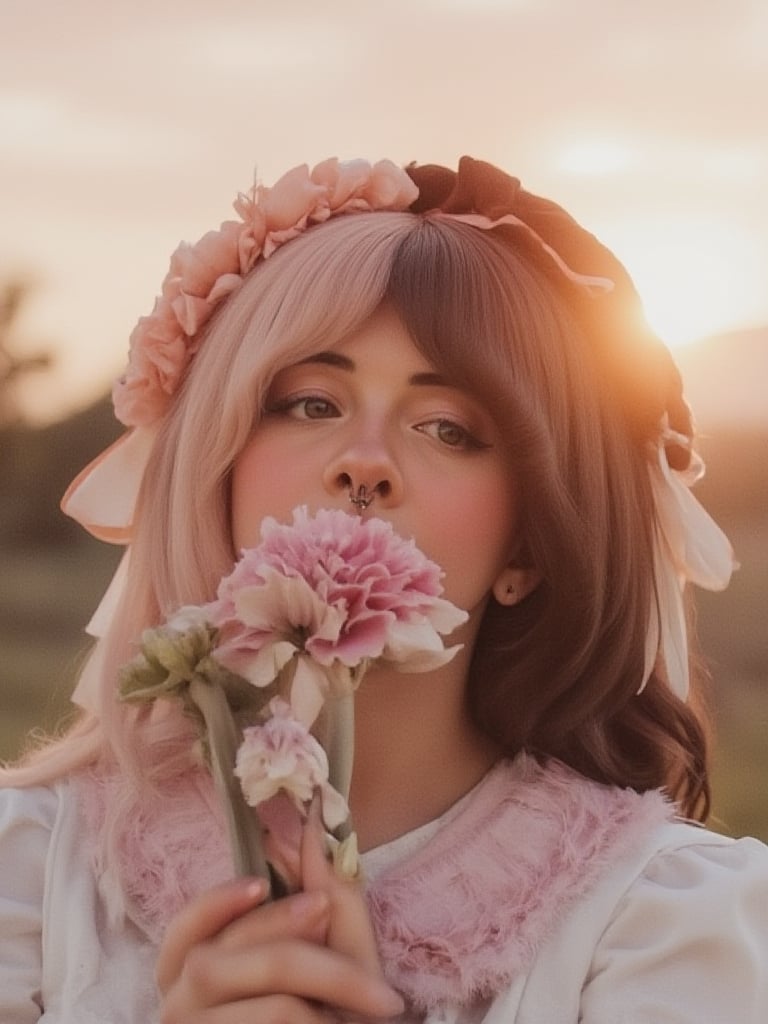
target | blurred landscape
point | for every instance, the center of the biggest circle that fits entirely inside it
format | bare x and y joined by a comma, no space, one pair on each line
52,574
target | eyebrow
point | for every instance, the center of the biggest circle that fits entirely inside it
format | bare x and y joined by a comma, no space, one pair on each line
428,378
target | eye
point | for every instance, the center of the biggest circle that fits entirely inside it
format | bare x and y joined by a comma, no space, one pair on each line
452,435
305,407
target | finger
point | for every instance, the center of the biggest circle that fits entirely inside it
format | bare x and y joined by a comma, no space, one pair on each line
316,869
211,977
350,930
203,919
281,845
302,915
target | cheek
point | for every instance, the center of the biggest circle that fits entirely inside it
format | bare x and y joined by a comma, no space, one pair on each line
483,512
472,537
263,484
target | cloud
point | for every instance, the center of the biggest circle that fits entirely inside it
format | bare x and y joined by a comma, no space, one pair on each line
40,126
253,49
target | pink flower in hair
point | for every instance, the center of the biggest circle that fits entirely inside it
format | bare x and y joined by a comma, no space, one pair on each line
195,269
355,185
202,275
331,594
159,357
290,201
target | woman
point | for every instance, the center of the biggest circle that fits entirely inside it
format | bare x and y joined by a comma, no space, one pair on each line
459,358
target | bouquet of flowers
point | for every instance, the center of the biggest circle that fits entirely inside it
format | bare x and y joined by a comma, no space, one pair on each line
270,667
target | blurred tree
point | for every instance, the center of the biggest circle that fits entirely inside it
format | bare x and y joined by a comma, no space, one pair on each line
36,463
12,296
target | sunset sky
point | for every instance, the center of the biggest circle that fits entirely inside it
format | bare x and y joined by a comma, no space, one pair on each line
126,125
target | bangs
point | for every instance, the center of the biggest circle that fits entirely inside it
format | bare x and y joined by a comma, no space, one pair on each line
306,297
313,293
483,312
480,310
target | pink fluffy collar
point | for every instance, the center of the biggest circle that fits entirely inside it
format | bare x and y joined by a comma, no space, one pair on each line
458,919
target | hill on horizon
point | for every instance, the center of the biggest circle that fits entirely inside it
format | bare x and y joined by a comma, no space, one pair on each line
726,379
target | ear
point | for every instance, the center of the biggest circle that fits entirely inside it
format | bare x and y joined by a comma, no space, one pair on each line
514,583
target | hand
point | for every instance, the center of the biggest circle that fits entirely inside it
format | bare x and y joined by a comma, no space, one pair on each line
227,957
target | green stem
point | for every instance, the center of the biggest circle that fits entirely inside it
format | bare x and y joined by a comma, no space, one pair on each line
340,748
340,741
223,740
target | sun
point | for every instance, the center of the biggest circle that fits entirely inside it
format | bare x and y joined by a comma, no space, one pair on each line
696,275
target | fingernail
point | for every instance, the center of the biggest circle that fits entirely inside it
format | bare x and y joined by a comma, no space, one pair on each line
255,889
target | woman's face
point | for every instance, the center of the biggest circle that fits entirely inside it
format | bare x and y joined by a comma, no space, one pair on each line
372,412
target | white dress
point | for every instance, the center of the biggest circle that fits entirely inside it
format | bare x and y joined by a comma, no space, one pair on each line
675,932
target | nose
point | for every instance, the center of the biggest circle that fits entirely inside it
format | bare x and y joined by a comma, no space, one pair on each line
366,474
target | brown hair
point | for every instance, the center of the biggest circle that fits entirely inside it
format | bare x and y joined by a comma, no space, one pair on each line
558,674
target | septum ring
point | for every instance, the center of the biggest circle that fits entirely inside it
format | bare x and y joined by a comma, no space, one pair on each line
361,498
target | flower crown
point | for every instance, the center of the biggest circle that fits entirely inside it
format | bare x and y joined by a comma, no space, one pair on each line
202,275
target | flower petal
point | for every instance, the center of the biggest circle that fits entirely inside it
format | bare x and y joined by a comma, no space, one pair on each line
334,807
309,690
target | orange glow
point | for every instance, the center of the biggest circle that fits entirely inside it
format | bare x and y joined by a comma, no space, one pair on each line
698,280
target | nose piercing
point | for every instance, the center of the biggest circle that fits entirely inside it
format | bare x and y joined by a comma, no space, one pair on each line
361,498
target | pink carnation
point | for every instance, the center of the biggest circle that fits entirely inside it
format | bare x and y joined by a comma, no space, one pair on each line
204,274
339,592
283,756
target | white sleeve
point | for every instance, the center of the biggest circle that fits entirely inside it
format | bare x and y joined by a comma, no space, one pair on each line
26,822
688,943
